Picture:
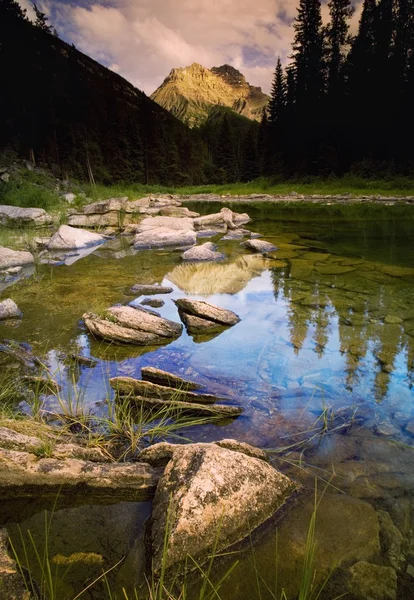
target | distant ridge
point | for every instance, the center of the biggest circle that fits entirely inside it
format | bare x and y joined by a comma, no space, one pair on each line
190,93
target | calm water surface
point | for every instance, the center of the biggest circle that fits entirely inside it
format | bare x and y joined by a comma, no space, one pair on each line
324,354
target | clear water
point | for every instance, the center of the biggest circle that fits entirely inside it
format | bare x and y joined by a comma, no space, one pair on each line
326,339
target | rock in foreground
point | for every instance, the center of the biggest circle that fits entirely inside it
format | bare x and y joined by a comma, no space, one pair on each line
9,310
132,325
69,238
210,498
200,317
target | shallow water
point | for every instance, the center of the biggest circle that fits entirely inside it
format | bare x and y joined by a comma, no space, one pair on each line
326,338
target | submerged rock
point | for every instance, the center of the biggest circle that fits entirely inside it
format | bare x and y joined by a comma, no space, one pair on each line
169,379
130,325
210,498
14,258
162,237
14,216
69,238
142,289
204,252
9,310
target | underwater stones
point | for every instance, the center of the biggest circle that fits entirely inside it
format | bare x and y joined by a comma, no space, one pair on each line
70,238
259,246
392,320
205,252
130,325
217,497
300,268
169,379
14,216
9,310
201,317
147,289
128,386
12,584
334,269
162,237
153,302
14,258
369,581
178,407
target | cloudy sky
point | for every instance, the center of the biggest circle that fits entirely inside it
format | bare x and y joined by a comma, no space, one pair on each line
143,40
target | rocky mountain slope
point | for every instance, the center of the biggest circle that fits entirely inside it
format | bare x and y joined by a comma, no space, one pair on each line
190,93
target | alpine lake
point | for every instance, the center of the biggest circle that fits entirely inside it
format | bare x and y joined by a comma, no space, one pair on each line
322,362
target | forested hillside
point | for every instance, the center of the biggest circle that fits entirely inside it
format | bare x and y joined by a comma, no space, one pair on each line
61,108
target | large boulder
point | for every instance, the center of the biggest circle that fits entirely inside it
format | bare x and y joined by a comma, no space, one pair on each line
201,317
104,213
9,310
14,258
132,325
205,252
14,216
69,238
227,217
176,223
162,237
210,498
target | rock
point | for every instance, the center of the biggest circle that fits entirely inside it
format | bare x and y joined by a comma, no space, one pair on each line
244,448
162,237
206,233
235,234
67,238
204,252
128,386
224,217
392,320
14,216
12,584
14,258
85,361
13,440
178,408
9,310
371,582
209,498
174,223
5,177
178,211
153,302
43,385
164,378
104,206
104,213
391,540
148,289
207,311
129,325
196,325
259,246
69,198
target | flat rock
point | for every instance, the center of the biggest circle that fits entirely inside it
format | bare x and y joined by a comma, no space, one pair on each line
14,216
196,325
169,379
178,211
369,581
261,246
129,325
71,238
104,206
153,302
204,252
164,237
142,289
178,408
14,258
127,386
209,498
9,310
210,312
175,223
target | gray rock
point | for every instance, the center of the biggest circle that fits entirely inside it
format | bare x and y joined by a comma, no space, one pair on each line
14,258
163,237
204,252
225,217
144,289
9,310
174,223
178,211
69,198
209,498
169,379
104,206
153,302
104,213
391,539
12,585
196,325
68,238
14,216
129,325
371,582
207,311
261,246
128,386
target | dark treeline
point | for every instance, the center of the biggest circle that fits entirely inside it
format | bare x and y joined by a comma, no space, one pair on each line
344,103
61,108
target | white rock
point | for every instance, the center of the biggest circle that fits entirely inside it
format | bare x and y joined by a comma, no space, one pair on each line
176,223
164,237
14,215
70,238
14,258
204,252
69,198
9,310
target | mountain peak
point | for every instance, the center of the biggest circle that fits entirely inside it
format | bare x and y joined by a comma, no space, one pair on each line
190,93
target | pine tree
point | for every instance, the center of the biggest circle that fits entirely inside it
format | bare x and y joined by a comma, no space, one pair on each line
41,21
337,35
277,95
10,8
